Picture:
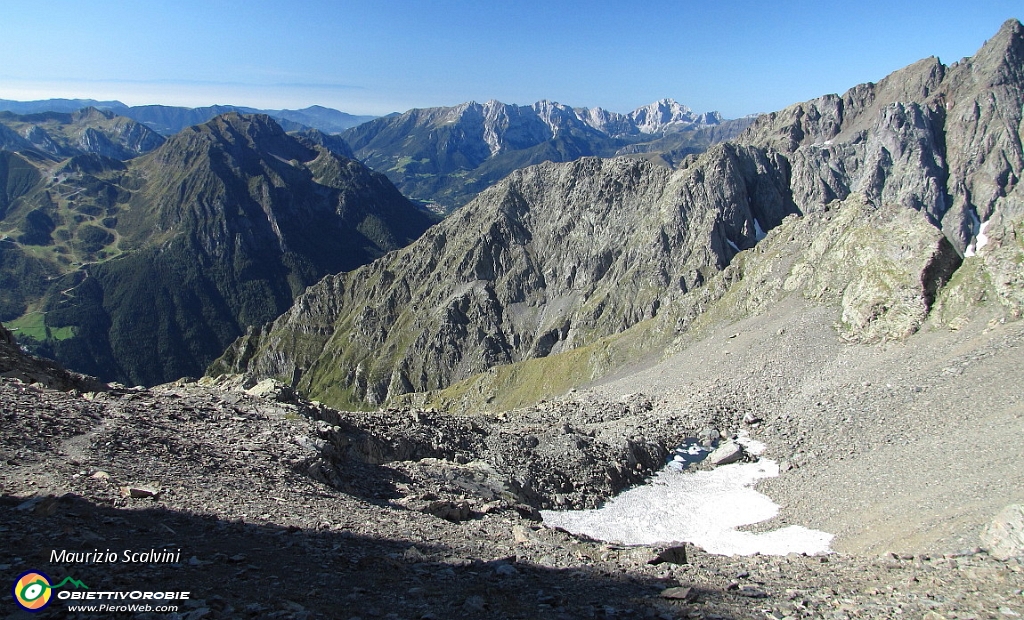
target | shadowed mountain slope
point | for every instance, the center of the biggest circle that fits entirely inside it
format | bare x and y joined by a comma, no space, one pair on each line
217,229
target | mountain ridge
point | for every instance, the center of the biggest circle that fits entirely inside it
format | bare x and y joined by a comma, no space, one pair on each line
891,143
180,249
447,155
168,120
87,130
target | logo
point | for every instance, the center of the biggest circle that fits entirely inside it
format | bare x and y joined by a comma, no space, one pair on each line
32,590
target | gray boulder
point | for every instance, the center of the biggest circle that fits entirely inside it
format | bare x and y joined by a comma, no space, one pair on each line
1004,536
728,452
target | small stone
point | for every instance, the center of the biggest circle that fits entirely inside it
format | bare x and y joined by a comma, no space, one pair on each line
506,570
139,492
30,504
671,555
100,475
751,592
728,452
521,534
475,603
681,593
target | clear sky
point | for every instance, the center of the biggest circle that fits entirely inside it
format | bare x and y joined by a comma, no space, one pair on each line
380,56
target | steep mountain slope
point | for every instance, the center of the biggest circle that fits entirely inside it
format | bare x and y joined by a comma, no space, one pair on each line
88,130
551,258
447,155
179,250
557,256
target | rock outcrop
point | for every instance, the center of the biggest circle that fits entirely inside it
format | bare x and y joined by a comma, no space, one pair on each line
1004,536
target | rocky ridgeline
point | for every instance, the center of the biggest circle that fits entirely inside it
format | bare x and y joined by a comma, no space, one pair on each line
559,255
88,131
942,140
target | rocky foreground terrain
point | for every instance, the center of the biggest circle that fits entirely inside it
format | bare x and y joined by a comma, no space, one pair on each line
284,508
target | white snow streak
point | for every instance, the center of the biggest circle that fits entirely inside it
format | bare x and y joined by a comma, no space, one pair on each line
759,232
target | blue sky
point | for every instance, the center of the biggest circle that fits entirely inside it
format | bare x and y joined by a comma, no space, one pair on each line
734,56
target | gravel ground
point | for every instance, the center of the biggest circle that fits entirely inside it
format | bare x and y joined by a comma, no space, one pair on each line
902,447
280,508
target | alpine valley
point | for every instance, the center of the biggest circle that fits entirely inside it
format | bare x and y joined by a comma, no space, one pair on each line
370,358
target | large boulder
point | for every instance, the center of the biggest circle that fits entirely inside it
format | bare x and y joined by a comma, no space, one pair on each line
1004,536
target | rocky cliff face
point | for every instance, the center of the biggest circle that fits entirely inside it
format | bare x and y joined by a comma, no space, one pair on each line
942,140
557,256
447,155
551,258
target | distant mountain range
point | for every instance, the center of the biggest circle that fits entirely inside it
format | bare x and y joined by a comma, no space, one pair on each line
66,134
447,155
169,120
443,157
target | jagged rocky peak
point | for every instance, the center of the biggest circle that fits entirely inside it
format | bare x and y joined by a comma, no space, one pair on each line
945,141
658,117
665,114
611,123
1001,59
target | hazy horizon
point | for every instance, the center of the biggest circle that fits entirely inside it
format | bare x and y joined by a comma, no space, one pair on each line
737,57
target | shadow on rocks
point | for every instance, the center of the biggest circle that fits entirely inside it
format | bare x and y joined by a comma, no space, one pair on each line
234,569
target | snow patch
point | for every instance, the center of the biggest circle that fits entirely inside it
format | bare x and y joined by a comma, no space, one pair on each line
703,508
980,239
759,232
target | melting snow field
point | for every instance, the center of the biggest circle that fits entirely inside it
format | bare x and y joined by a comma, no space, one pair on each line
703,508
